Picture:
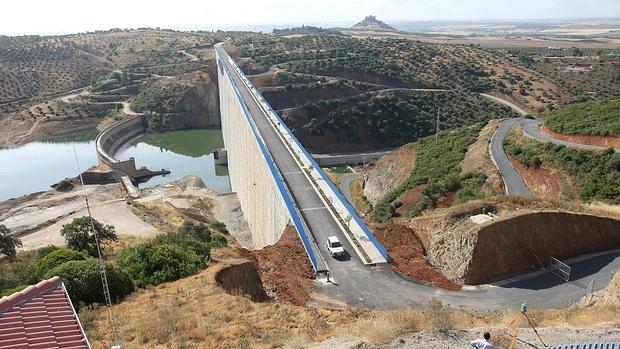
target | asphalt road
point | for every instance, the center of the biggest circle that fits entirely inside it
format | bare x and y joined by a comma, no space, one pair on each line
513,182
379,287
345,188
531,128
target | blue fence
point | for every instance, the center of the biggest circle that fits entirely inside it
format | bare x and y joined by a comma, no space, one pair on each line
288,200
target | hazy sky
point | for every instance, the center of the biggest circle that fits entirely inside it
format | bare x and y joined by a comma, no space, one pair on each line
68,16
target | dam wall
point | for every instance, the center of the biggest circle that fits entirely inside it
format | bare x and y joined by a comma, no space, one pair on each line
110,140
252,172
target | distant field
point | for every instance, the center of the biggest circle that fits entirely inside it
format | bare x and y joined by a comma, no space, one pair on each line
591,118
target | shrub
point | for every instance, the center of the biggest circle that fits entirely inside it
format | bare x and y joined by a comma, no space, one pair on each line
44,251
184,241
383,212
198,231
218,240
220,227
83,281
441,319
152,264
58,257
9,291
64,185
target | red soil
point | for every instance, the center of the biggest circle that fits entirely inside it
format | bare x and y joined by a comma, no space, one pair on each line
408,256
601,141
285,269
542,182
410,199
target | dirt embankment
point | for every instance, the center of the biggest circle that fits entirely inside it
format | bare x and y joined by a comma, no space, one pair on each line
408,255
477,159
476,254
242,279
388,173
542,182
285,269
601,141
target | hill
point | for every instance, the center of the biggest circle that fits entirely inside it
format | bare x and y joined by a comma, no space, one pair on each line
592,118
372,23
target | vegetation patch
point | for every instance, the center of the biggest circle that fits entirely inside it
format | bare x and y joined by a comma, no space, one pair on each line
438,165
596,174
393,118
592,118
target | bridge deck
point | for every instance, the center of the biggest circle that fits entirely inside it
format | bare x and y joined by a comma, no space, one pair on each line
316,214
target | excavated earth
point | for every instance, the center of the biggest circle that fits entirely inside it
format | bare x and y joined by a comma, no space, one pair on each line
285,270
408,256
473,254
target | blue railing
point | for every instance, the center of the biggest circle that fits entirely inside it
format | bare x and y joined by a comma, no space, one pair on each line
318,168
288,200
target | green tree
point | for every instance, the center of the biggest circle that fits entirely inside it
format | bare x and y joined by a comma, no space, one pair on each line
8,242
58,257
83,281
79,235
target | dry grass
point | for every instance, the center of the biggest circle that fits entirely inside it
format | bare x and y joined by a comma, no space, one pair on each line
357,192
195,313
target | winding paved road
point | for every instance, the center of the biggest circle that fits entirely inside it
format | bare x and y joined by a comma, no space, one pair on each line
532,129
379,287
513,182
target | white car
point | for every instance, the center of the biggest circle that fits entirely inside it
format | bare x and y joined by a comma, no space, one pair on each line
335,247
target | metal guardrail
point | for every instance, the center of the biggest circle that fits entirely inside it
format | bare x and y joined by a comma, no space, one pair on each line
301,226
560,269
338,205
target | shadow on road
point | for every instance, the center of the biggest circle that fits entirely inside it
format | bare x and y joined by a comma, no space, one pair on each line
344,258
582,273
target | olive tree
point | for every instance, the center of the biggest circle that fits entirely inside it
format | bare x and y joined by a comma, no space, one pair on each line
8,242
80,236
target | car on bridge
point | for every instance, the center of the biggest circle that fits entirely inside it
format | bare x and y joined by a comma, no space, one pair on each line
335,247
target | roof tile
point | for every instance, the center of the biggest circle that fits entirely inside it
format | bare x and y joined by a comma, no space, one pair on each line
40,316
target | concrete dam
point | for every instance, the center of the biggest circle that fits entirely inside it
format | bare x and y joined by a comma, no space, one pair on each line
277,181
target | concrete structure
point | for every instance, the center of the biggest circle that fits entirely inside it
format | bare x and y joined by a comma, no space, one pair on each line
349,158
267,163
113,138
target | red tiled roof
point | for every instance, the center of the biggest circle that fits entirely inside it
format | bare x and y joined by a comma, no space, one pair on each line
40,317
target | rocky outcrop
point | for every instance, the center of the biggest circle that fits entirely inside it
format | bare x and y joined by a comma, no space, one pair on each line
373,24
388,173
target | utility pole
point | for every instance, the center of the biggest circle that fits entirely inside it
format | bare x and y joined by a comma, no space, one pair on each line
437,123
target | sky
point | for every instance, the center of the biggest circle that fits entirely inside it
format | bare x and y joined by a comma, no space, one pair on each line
19,17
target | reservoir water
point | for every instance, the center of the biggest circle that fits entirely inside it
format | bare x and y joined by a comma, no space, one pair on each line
187,152
37,165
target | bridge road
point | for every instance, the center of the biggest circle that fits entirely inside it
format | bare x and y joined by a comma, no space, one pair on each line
379,287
